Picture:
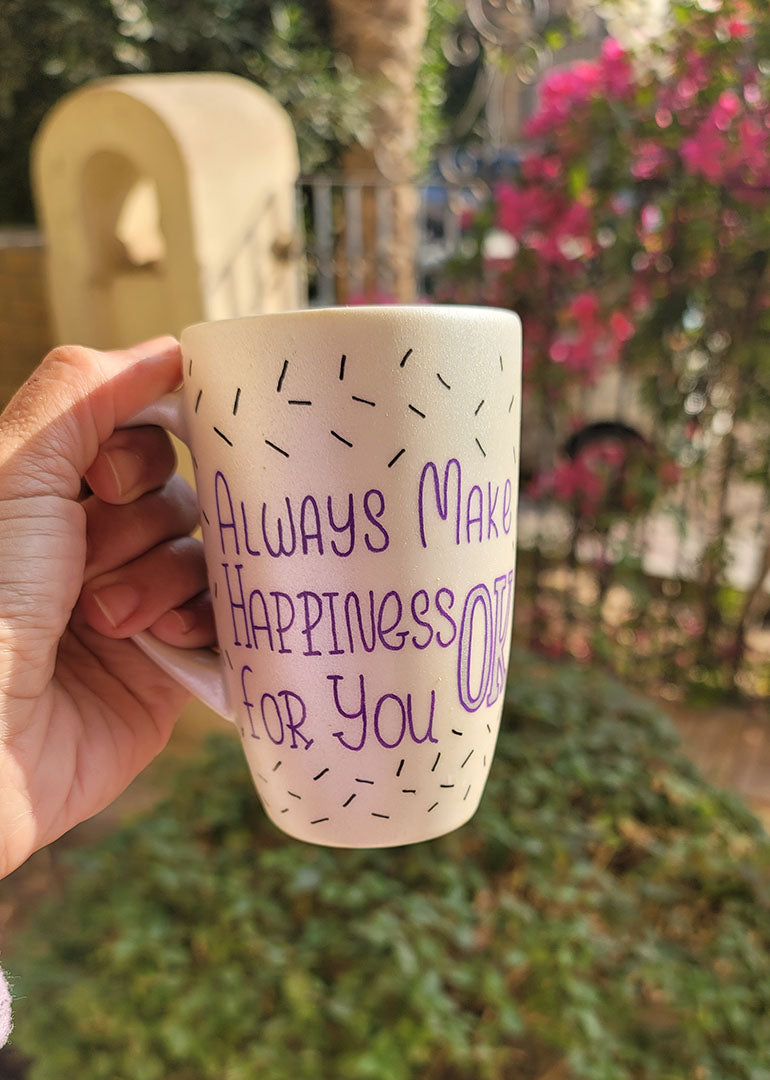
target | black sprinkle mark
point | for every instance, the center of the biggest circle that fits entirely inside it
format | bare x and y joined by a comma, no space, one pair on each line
489,729
320,774
393,460
294,402
481,448
345,441
318,820
510,406
237,399
227,654
205,517
409,790
281,377
443,382
189,369
485,761
380,815
446,785
285,811
360,781
274,447
216,590
405,357
422,414
465,796
466,760
277,765
262,778
350,800
432,807
219,433
194,461
198,400
400,767
435,763
363,400
501,361
514,453
342,367
476,413
293,795
456,732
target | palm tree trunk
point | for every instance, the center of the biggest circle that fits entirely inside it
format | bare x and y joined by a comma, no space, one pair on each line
384,39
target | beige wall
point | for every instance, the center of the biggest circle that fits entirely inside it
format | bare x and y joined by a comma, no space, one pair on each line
25,326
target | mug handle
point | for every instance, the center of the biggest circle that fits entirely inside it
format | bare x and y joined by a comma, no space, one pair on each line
201,671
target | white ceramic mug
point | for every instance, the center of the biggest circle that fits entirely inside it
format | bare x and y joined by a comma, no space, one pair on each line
357,480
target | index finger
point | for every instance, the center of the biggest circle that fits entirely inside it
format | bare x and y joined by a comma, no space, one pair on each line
51,431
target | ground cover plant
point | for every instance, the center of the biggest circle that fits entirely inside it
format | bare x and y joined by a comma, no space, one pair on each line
605,916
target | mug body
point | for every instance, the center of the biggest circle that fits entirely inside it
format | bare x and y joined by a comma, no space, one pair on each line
357,479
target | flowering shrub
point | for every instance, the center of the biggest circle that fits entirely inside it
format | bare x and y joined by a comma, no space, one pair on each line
639,231
605,477
640,222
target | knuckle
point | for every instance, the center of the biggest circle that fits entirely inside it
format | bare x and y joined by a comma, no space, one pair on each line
67,355
70,364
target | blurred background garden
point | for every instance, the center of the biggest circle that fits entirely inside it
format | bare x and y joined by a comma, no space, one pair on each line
603,169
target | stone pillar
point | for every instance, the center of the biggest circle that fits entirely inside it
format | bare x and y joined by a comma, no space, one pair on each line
165,200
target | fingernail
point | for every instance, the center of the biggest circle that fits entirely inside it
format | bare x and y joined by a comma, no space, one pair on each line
157,347
123,466
126,468
117,602
185,620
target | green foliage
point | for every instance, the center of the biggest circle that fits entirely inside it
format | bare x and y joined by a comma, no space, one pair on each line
48,48
434,77
605,907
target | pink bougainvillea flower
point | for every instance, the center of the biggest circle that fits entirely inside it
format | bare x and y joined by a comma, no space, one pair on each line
542,167
752,94
648,160
615,68
560,92
737,28
622,327
651,218
572,482
641,296
520,210
704,153
696,67
467,218
727,107
686,89
585,308
753,141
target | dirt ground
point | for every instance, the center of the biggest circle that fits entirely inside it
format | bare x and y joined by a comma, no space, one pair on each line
731,747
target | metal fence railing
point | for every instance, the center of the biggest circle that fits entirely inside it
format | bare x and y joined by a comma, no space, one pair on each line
352,239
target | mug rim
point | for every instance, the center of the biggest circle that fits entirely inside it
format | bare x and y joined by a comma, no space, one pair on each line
458,310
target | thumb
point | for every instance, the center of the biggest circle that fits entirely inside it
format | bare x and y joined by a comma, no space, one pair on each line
51,431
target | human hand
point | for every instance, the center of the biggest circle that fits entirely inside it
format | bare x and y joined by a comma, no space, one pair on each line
82,709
